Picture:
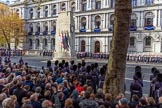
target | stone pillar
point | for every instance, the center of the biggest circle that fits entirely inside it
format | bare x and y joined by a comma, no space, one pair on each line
49,30
49,10
159,18
89,23
155,18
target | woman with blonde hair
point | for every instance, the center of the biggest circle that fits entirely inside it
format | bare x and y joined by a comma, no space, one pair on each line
8,103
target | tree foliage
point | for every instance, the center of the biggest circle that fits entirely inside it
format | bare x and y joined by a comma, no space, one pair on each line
11,26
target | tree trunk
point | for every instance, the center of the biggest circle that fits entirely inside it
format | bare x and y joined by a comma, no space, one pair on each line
115,73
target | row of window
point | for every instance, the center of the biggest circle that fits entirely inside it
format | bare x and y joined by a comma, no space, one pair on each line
147,43
37,43
148,23
45,28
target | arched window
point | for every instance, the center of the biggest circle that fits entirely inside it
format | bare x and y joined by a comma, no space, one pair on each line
97,47
149,19
148,41
149,2
37,43
31,13
132,41
84,5
63,7
46,11
45,42
133,20
134,3
54,9
83,23
97,22
98,4
83,46
38,13
53,42
73,6
54,26
30,43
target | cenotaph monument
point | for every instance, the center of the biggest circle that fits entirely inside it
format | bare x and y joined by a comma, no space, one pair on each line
65,37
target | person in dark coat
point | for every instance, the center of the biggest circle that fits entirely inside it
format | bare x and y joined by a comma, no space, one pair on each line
19,93
135,87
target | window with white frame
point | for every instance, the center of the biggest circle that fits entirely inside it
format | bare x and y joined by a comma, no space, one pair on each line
148,2
98,4
132,41
83,46
31,28
38,13
112,3
38,27
46,27
133,20
149,19
46,11
134,3
148,41
97,22
83,23
73,6
63,7
54,26
45,42
54,10
31,13
112,21
84,5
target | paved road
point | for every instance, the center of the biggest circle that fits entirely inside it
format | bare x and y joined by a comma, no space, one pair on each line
146,69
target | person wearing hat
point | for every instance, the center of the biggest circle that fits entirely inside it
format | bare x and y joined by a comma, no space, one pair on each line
123,103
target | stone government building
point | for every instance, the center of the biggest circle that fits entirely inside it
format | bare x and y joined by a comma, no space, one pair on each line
93,24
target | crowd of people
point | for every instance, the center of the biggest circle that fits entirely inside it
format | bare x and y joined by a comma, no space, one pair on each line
5,52
69,85
144,58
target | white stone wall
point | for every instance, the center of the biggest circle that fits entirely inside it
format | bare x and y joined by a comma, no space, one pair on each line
105,36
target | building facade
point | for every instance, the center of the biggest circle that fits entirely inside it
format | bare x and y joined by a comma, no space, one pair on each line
94,21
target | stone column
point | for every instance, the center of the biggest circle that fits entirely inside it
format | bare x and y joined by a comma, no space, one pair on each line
49,10
142,19
89,17
155,18
159,18
49,27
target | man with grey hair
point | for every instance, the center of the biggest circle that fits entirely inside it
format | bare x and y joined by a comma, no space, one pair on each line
34,101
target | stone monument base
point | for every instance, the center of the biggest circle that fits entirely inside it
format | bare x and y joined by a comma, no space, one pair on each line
63,56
